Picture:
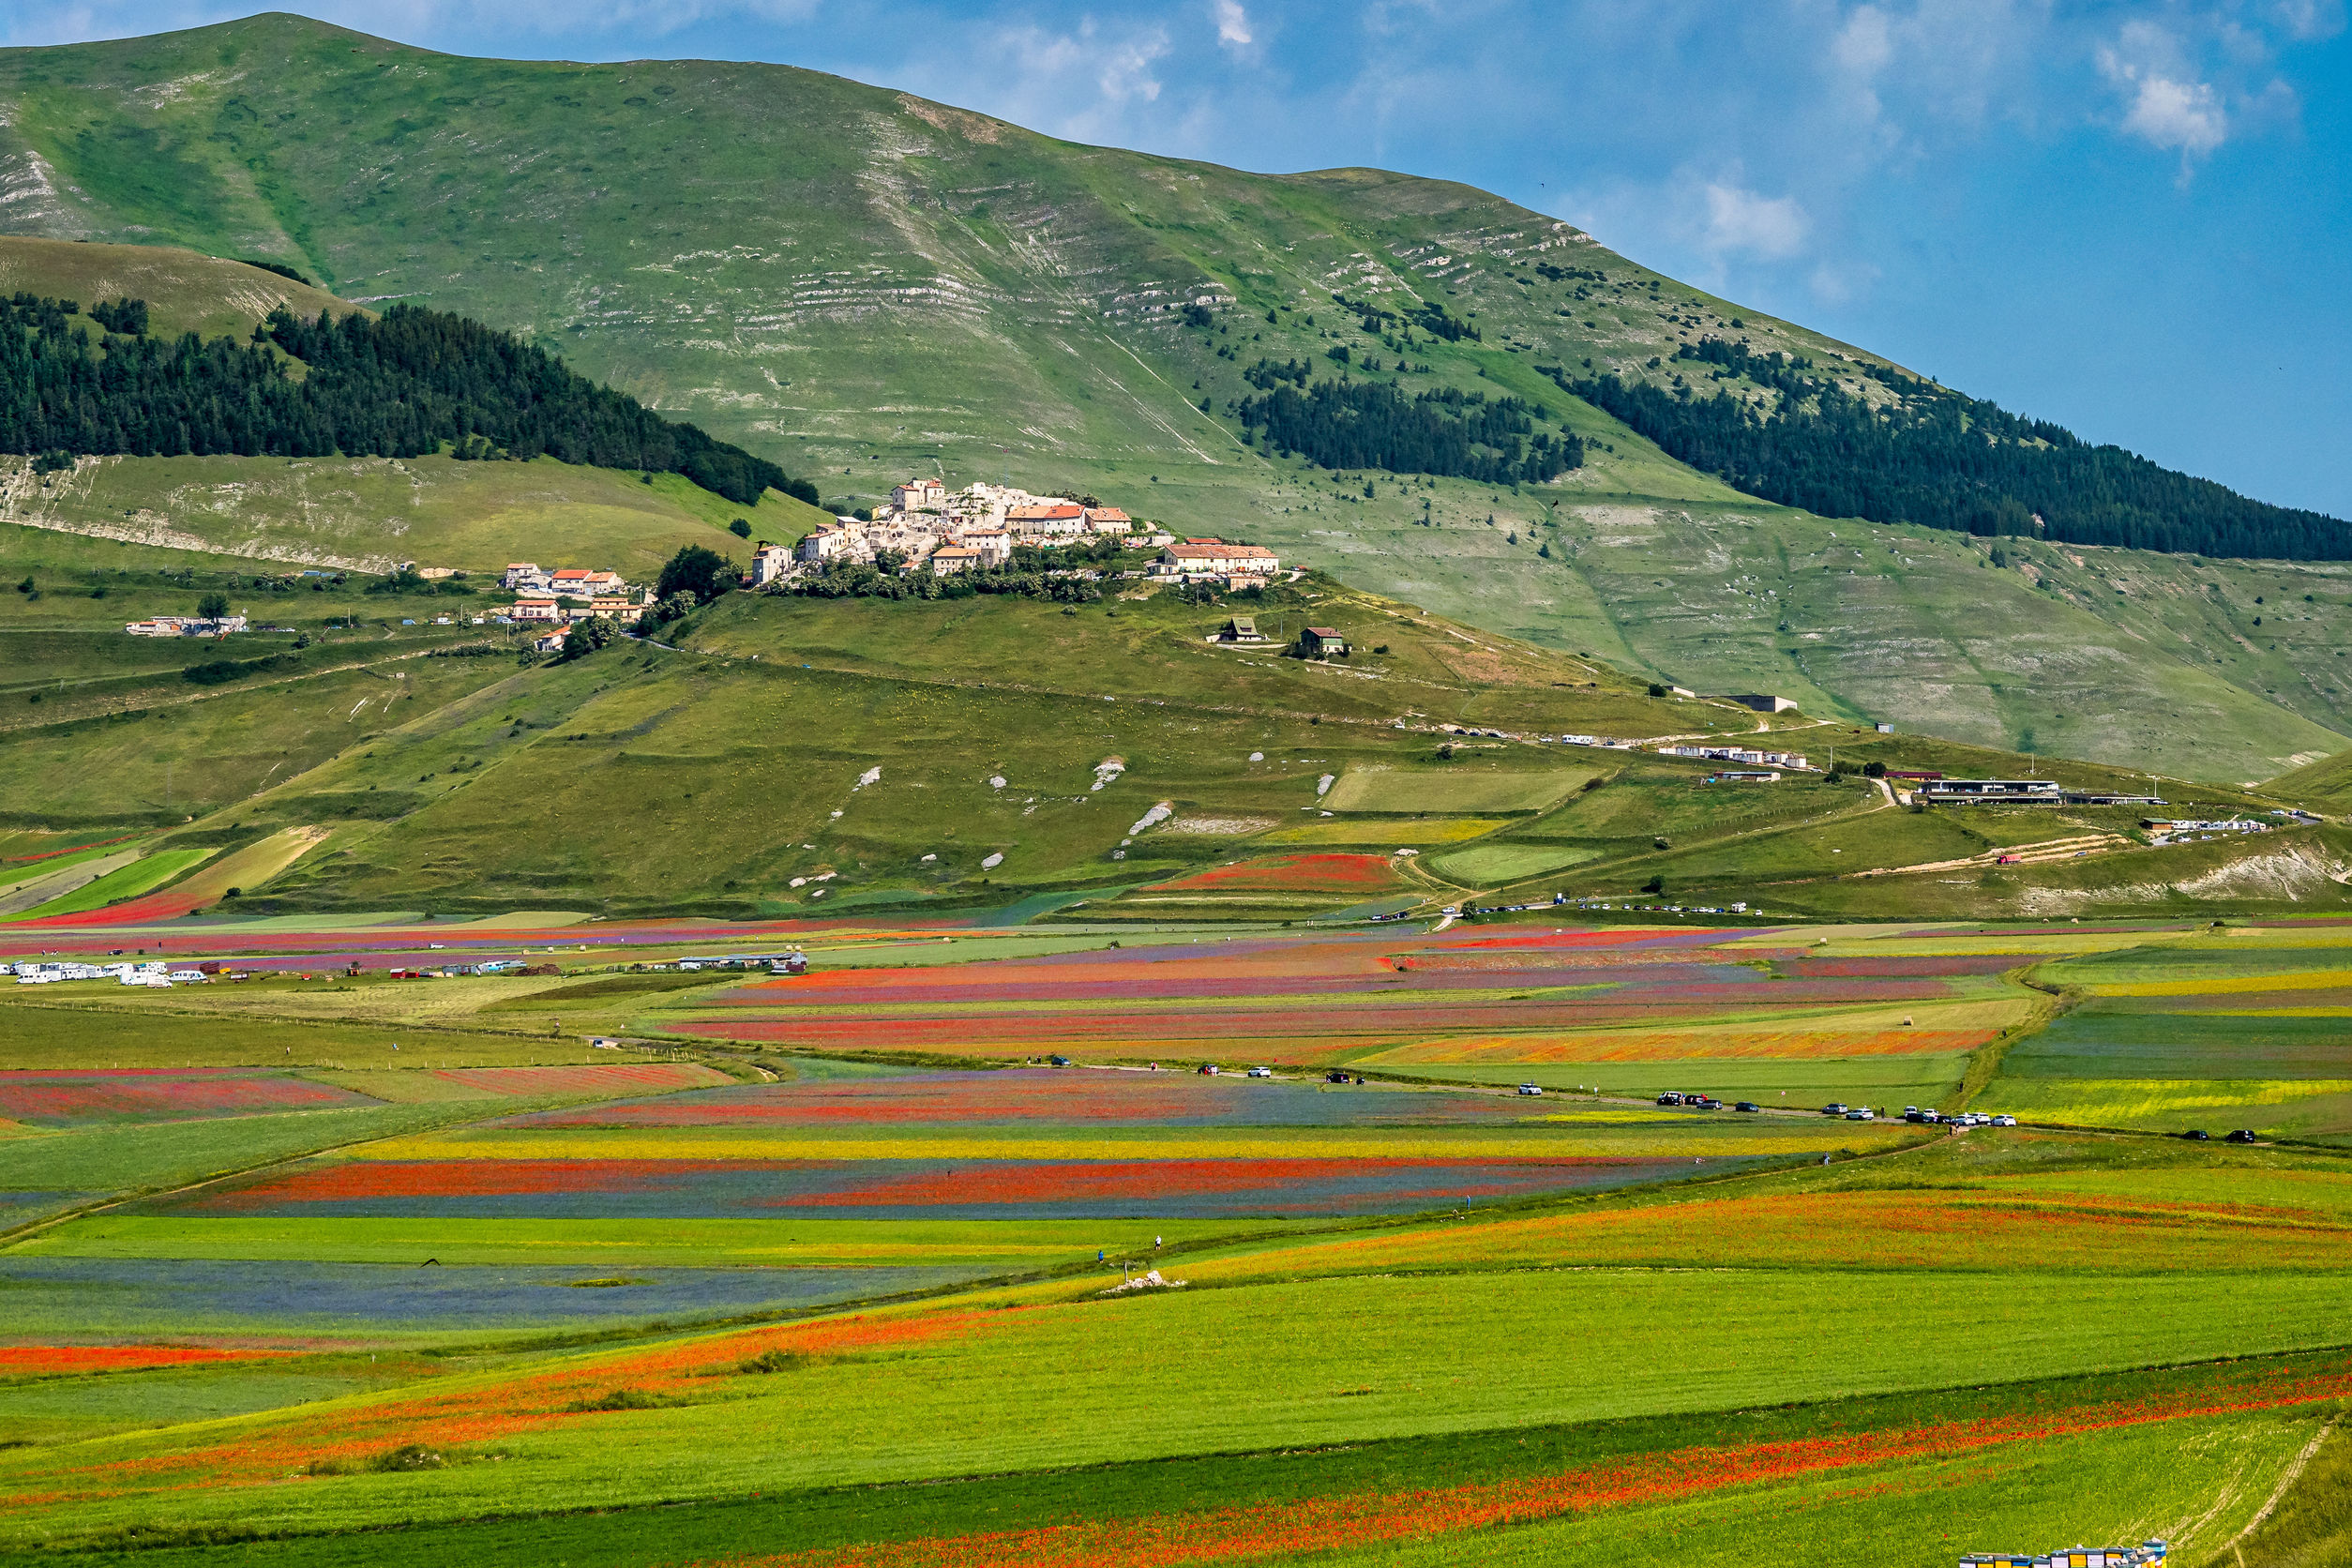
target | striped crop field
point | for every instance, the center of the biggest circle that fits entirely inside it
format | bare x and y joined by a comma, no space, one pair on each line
2017,1224
939,1184
56,1099
1019,1384
1360,874
1797,1044
844,1274
57,1361
1041,1095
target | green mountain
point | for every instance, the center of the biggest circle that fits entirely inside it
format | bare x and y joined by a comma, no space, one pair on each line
855,283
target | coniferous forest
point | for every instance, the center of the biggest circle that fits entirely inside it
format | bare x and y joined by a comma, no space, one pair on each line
1370,424
407,384
1934,457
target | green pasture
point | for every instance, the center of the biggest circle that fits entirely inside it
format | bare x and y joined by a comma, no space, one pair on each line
1093,1383
2115,1038
1464,790
617,1246
1653,796
200,748
1152,648
2234,953
2253,1177
1508,862
60,1030
56,1410
371,513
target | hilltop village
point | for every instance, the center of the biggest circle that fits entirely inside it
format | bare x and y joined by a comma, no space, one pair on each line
927,528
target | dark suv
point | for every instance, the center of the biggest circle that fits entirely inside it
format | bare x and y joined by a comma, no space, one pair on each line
2243,1135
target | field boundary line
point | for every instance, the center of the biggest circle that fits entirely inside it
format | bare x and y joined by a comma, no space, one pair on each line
1984,1063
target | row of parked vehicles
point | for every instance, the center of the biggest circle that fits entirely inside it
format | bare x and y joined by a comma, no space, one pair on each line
2198,1135
1918,1115
1704,1101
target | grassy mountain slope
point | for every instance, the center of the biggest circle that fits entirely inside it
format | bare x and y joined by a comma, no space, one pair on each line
366,513
370,514
859,283
2327,783
184,292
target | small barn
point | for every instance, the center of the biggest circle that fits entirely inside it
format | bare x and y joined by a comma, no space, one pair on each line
1241,629
1321,643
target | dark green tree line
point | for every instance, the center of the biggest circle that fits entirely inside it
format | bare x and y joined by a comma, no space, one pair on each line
1934,457
402,385
1465,436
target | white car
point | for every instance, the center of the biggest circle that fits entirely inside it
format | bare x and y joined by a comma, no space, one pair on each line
1530,1088
2004,1121
1261,1072
1865,1115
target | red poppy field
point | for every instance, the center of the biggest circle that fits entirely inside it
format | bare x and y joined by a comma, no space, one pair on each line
1365,874
70,1099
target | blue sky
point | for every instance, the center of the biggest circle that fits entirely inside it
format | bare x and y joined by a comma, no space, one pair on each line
2132,218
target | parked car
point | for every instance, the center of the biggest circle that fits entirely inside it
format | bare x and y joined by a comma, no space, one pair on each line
1747,1105
1835,1108
2243,1135
1207,1069
1917,1116
1261,1072
1704,1101
1669,1098
1530,1088
1335,1076
1058,1061
2197,1135
1864,1114
2004,1121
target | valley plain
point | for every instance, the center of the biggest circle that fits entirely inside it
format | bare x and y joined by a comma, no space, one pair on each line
594,1012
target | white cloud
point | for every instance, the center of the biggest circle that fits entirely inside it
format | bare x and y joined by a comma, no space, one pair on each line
1866,42
2184,114
1740,221
2310,18
1125,71
1232,24
2165,106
